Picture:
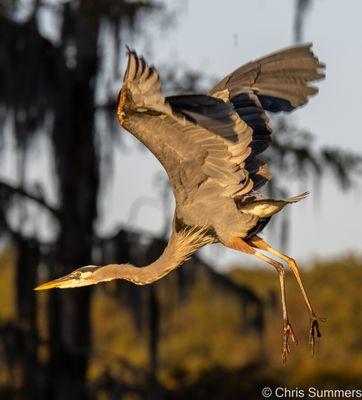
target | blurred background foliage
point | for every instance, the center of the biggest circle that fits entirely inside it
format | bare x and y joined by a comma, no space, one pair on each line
198,333
206,348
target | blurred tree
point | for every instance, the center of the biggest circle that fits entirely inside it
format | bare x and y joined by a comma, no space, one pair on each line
49,85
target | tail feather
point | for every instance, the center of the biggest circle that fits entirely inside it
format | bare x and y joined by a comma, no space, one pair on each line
265,208
295,199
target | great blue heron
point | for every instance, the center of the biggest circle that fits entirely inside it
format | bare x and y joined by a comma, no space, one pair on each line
209,145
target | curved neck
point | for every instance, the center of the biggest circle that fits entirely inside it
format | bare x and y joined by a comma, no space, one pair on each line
179,248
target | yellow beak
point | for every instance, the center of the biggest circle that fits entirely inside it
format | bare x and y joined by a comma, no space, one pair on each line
56,283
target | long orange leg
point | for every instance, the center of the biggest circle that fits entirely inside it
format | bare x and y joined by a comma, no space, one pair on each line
314,325
241,245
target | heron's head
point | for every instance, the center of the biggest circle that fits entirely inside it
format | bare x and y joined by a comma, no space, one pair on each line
84,276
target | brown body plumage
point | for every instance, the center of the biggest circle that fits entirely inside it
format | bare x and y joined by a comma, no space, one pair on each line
210,147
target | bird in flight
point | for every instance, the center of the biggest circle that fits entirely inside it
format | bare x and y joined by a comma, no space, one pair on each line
210,146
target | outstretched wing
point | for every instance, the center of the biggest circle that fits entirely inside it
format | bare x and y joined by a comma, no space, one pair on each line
281,79
200,140
277,82
141,90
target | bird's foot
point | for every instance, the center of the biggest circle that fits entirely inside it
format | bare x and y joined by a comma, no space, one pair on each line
314,330
287,330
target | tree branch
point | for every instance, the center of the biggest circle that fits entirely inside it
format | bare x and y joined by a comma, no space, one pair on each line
12,190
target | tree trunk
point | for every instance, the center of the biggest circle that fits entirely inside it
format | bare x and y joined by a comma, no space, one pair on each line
26,307
77,169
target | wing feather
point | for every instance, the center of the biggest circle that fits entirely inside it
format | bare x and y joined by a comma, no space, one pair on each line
277,82
193,136
285,74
